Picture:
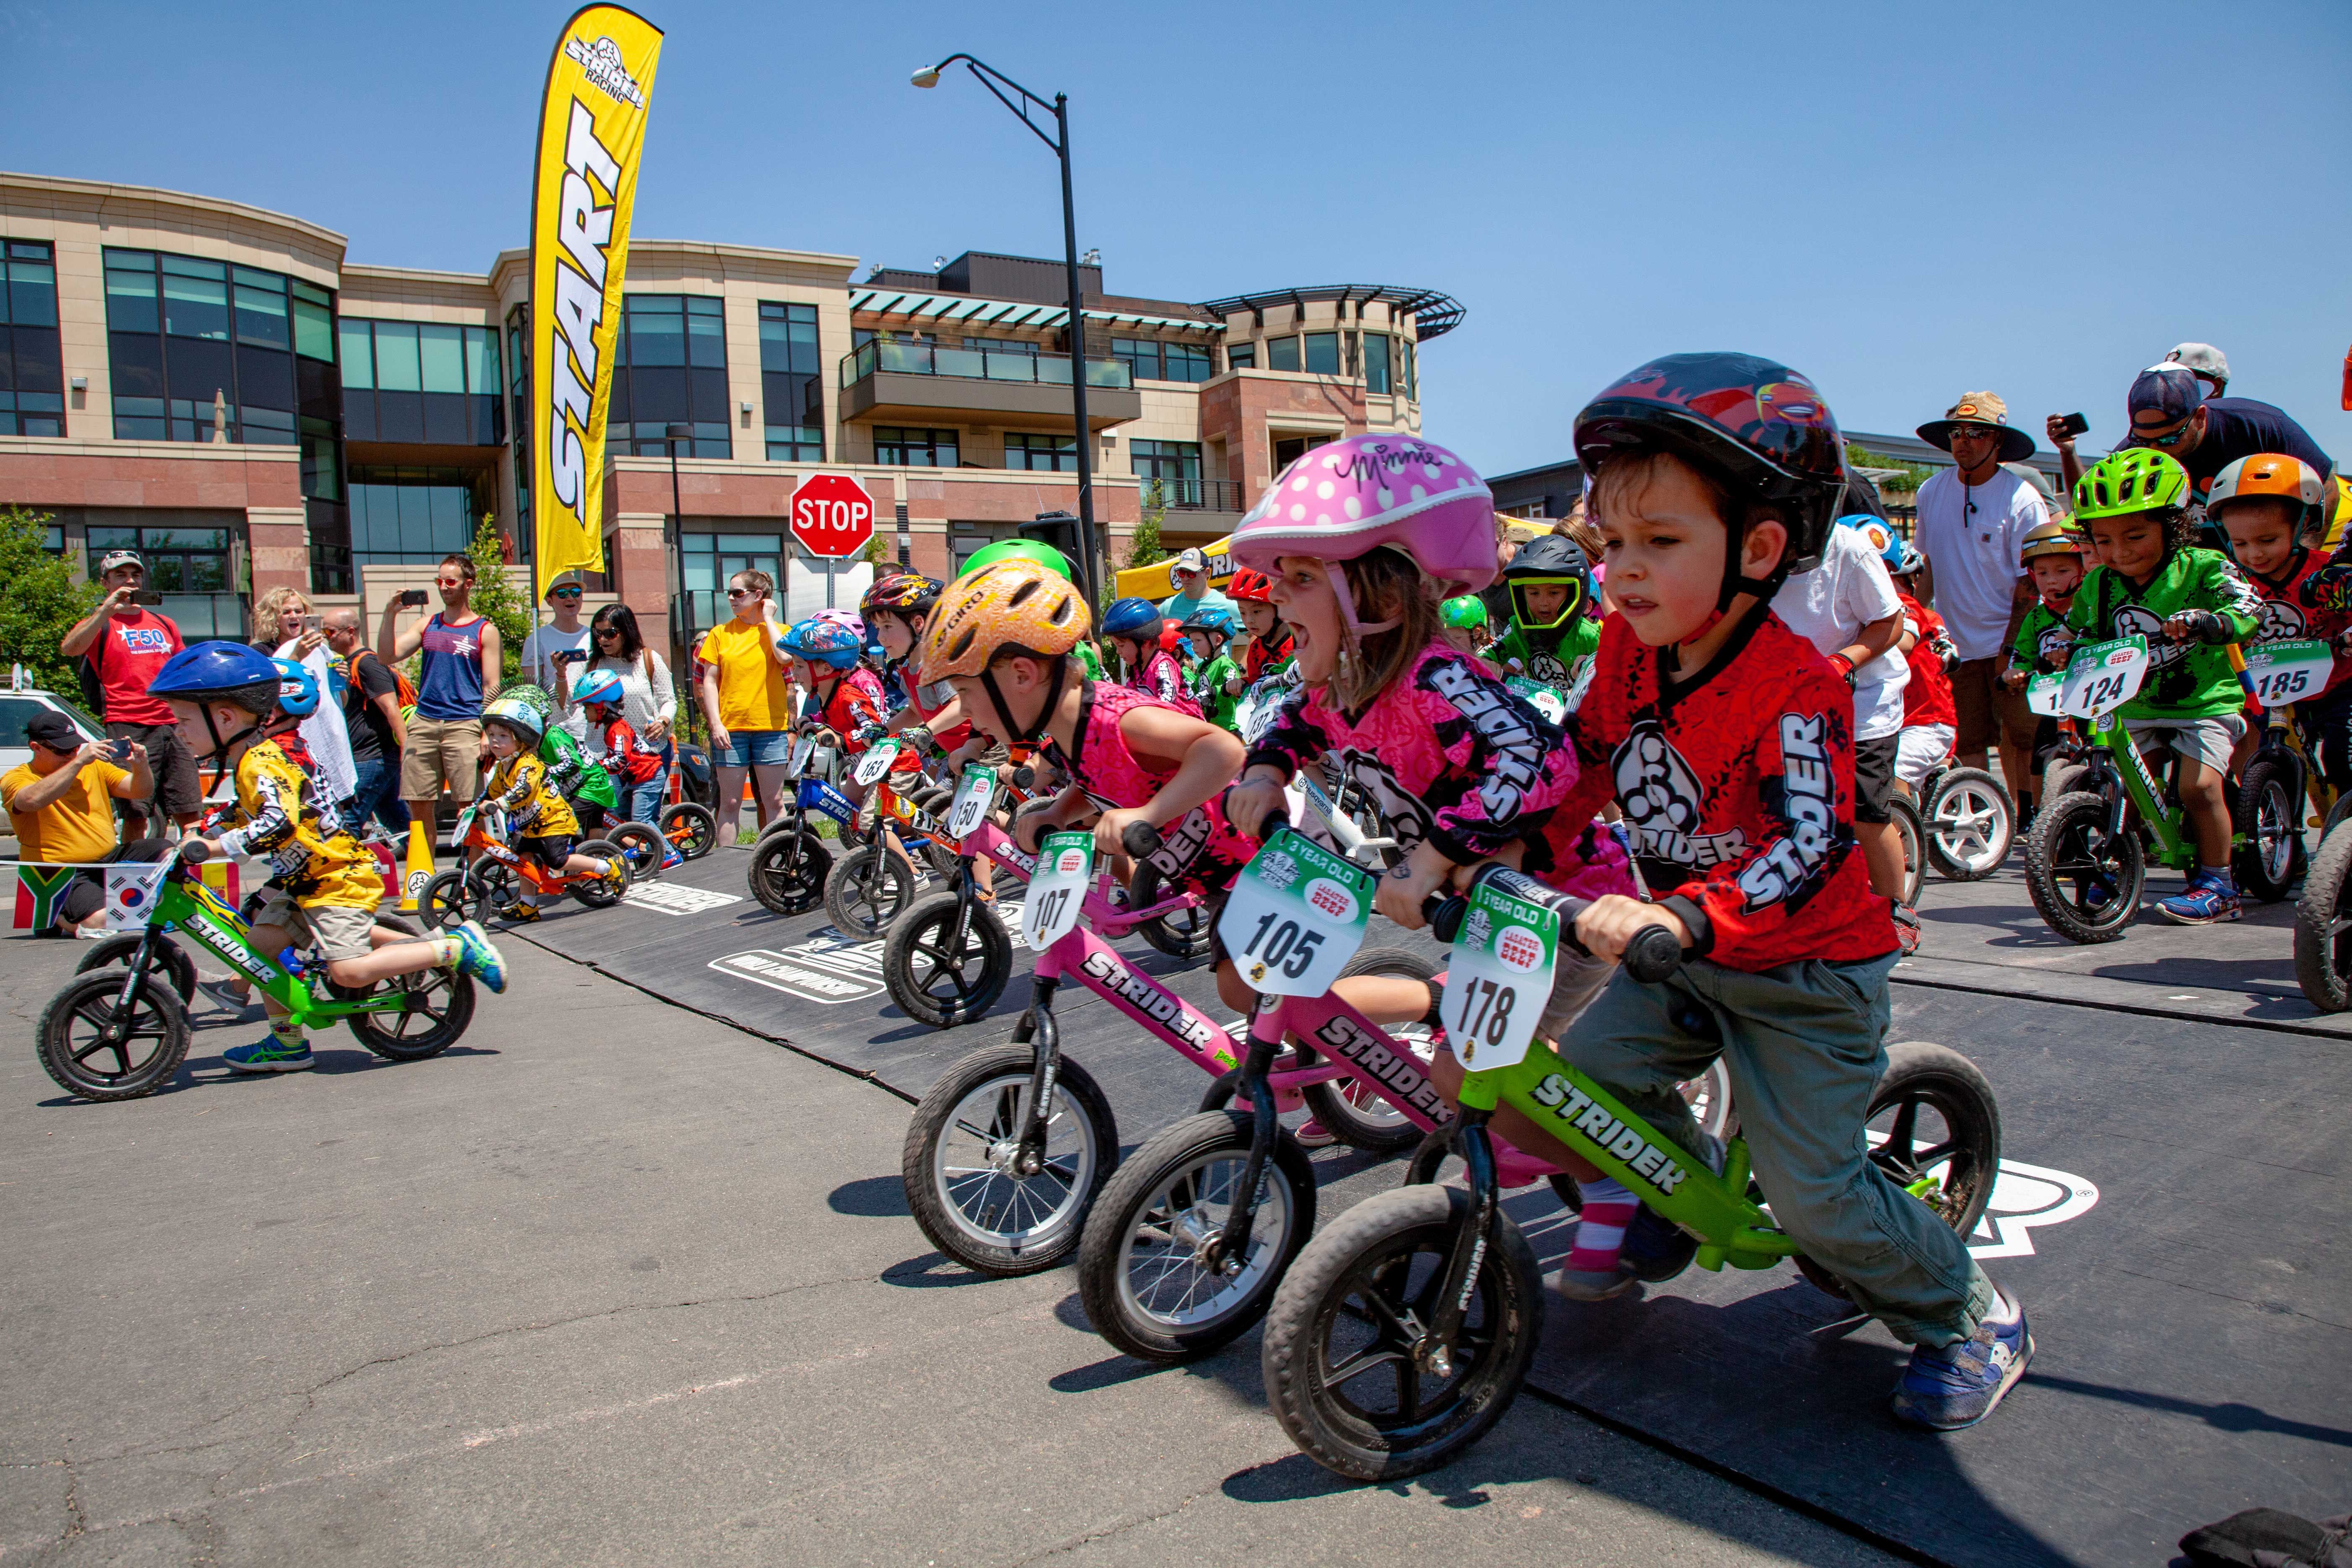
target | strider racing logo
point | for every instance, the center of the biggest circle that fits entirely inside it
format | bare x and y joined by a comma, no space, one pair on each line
1517,763
601,61
1157,1005
1397,1073
1580,1111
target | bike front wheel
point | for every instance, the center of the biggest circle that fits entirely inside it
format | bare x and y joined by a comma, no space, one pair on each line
960,1164
2323,926
788,870
935,983
1178,933
1914,840
2085,881
450,898
2270,814
1146,1271
1969,823
171,958
95,1051
1341,1357
866,889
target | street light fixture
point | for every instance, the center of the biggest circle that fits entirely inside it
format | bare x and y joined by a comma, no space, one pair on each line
996,81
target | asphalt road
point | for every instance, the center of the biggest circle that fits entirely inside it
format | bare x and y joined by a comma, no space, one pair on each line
612,1282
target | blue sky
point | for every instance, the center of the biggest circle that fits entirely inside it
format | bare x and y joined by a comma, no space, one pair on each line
1904,202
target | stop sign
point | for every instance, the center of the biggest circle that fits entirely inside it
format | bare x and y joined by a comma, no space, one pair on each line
832,515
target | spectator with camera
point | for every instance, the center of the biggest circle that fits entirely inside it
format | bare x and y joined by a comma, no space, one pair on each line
60,805
126,641
461,653
553,655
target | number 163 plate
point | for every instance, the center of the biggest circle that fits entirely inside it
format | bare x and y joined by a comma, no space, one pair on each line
1295,917
1500,978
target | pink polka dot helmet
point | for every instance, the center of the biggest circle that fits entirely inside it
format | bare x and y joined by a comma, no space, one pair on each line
1351,497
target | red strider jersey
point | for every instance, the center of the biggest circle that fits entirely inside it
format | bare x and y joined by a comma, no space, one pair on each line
1929,699
2286,613
1738,791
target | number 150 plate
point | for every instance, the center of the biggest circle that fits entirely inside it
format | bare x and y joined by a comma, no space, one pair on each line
1295,917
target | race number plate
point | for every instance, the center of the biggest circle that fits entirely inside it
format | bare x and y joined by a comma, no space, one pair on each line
1548,702
1295,917
465,824
877,761
801,750
1065,865
972,798
2284,672
1500,976
2099,678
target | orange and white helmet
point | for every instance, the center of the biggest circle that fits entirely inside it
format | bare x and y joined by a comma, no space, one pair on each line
1008,606
2270,474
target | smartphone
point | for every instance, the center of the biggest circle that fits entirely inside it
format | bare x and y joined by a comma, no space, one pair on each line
312,622
413,597
147,596
2074,425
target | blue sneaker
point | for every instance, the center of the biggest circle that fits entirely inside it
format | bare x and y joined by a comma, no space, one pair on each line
1656,1249
1959,1384
2208,900
271,1055
476,957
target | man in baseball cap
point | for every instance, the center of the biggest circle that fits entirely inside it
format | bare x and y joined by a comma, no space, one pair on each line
60,805
125,644
2170,412
1193,593
2205,362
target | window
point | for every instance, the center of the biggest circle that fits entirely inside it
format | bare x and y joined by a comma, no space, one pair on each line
1406,353
1147,359
671,368
412,515
1047,454
1241,356
914,448
32,365
1376,363
1140,355
1282,354
1170,469
194,344
420,382
709,560
179,559
792,385
1186,361
1322,354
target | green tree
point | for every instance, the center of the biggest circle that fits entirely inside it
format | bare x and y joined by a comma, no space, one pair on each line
498,594
1910,479
43,601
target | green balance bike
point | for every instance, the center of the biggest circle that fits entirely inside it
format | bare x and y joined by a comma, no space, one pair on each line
120,1034
1406,1327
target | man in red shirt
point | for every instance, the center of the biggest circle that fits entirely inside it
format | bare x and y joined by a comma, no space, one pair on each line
126,644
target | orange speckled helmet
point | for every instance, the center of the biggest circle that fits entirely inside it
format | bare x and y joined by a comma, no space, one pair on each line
1009,607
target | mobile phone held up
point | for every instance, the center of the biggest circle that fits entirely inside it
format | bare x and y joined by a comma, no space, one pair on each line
413,597
2076,424
147,597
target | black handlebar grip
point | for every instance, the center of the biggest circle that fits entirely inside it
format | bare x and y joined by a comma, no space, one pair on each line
1445,913
1024,777
1272,823
194,852
1652,954
1139,840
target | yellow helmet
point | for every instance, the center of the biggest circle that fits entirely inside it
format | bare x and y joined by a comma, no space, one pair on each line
1008,606
2053,538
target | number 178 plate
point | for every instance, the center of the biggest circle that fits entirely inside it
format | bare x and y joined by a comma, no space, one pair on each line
1295,917
1500,977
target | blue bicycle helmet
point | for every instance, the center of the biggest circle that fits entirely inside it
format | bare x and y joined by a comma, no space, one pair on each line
1131,617
602,689
523,718
1893,548
825,642
1213,618
297,689
230,672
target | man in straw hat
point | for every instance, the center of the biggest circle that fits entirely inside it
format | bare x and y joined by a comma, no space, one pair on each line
1972,519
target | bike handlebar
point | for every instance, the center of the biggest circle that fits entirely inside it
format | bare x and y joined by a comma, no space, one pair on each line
193,851
1651,955
1140,840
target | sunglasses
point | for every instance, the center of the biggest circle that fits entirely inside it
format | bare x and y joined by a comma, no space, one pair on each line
743,592
608,631
2169,438
1974,433
566,593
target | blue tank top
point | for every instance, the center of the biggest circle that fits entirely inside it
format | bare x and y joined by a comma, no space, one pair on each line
452,686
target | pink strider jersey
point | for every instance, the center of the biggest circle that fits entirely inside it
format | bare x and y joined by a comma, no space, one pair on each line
1200,854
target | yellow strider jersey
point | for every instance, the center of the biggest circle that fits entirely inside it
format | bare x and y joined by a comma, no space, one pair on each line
282,815
533,807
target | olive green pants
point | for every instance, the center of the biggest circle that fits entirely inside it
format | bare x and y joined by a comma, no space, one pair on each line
1804,1045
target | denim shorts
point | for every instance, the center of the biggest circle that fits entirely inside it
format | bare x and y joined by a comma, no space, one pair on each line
755,749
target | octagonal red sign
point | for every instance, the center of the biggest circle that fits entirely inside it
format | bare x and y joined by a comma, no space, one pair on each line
832,515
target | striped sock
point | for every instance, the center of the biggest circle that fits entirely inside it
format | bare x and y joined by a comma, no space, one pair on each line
1609,1208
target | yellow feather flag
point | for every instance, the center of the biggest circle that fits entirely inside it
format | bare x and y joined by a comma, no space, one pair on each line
591,133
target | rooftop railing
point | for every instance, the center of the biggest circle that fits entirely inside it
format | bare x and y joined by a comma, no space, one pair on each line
975,364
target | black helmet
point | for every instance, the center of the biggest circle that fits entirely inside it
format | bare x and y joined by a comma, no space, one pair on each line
1552,559
1750,421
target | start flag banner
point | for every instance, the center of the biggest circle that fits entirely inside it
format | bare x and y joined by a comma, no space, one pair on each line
591,133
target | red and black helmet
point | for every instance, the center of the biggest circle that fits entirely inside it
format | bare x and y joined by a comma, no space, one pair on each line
1250,586
1751,422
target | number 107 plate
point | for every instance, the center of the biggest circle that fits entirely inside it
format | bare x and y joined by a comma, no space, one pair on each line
1295,917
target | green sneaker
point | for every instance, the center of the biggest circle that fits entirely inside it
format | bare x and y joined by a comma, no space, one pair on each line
270,1055
476,957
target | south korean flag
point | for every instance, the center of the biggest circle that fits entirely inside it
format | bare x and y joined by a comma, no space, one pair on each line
131,893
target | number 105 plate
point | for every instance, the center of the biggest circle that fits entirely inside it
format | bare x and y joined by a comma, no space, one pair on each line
1295,917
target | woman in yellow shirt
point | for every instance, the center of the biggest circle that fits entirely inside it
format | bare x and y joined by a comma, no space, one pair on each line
740,674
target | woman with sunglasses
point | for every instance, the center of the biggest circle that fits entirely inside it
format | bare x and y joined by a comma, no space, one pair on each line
552,653
648,700
739,671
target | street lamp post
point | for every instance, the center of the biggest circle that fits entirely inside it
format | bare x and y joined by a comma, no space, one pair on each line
996,81
672,434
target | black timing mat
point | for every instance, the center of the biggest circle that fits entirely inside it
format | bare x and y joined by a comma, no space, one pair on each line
2172,1213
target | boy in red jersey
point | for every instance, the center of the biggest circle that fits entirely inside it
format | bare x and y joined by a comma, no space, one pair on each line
1727,739
2269,504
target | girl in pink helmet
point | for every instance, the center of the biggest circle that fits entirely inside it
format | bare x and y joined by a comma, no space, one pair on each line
1363,540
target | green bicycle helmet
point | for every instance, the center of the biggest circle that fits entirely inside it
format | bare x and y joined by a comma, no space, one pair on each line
2134,480
1045,555
1466,612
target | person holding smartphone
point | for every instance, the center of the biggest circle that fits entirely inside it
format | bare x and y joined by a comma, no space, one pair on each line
60,807
126,641
461,666
552,653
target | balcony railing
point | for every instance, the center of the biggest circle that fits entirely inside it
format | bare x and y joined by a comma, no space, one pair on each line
1191,495
975,364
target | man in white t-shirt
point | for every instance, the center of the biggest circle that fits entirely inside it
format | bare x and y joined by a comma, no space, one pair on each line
1973,517
567,635
1846,607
